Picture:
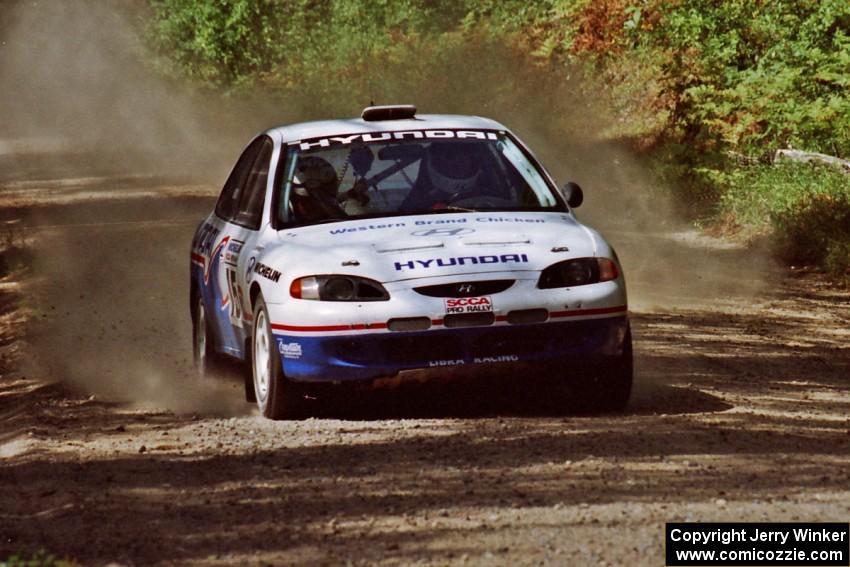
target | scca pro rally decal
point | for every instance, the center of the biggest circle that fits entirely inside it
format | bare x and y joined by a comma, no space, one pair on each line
387,136
469,304
461,261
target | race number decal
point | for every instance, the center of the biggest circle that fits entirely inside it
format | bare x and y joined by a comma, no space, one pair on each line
235,298
231,261
469,305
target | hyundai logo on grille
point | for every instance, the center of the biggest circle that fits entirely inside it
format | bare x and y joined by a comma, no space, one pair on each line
466,288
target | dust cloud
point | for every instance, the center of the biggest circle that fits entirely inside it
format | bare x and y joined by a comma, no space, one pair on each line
83,120
75,85
79,100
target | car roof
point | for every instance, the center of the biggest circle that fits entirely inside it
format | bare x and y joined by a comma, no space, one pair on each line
325,128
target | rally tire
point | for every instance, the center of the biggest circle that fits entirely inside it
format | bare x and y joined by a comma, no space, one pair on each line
277,397
593,388
248,376
607,390
617,387
208,362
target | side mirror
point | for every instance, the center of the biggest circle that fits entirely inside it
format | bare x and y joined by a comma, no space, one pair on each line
573,194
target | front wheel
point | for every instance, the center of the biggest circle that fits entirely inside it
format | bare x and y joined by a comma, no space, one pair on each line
596,388
277,397
608,389
616,387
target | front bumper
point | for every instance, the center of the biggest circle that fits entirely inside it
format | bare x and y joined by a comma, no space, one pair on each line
367,355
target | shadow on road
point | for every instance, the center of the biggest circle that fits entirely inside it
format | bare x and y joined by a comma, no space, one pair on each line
271,501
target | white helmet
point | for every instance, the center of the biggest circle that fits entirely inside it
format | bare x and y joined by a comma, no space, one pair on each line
452,167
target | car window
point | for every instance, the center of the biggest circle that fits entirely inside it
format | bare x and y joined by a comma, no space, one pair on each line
228,202
250,209
416,172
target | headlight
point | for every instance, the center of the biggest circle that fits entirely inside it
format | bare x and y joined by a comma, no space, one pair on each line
338,288
581,271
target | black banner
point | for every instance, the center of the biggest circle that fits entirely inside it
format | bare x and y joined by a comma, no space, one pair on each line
757,544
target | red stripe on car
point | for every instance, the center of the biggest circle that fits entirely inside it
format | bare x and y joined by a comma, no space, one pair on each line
434,322
321,328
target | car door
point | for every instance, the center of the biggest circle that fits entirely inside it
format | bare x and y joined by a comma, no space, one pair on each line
240,207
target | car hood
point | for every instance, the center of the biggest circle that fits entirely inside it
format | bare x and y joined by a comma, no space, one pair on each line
400,248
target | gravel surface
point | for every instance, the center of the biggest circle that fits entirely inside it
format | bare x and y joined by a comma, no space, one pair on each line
110,450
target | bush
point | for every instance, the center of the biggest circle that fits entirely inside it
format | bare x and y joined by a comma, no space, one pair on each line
805,208
816,231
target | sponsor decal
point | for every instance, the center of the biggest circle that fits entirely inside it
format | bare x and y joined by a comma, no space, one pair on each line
387,136
508,219
267,272
421,222
492,359
437,363
249,268
206,237
469,304
208,261
367,227
443,232
455,220
290,350
475,360
461,261
231,253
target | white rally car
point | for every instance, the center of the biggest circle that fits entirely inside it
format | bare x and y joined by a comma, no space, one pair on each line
353,250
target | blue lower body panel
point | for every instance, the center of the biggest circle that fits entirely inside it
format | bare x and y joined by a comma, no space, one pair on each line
363,356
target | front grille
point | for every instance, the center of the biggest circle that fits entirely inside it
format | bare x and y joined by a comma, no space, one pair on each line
465,289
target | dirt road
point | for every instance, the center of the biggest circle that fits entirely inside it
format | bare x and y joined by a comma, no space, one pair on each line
741,412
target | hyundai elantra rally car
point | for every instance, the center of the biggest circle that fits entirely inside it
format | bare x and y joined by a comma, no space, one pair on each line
355,250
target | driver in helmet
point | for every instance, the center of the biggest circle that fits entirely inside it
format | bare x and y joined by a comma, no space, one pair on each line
314,191
451,173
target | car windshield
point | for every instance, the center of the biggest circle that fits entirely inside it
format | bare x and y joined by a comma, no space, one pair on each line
415,172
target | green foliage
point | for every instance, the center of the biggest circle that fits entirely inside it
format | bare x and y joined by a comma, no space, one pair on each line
745,75
805,208
238,43
690,80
